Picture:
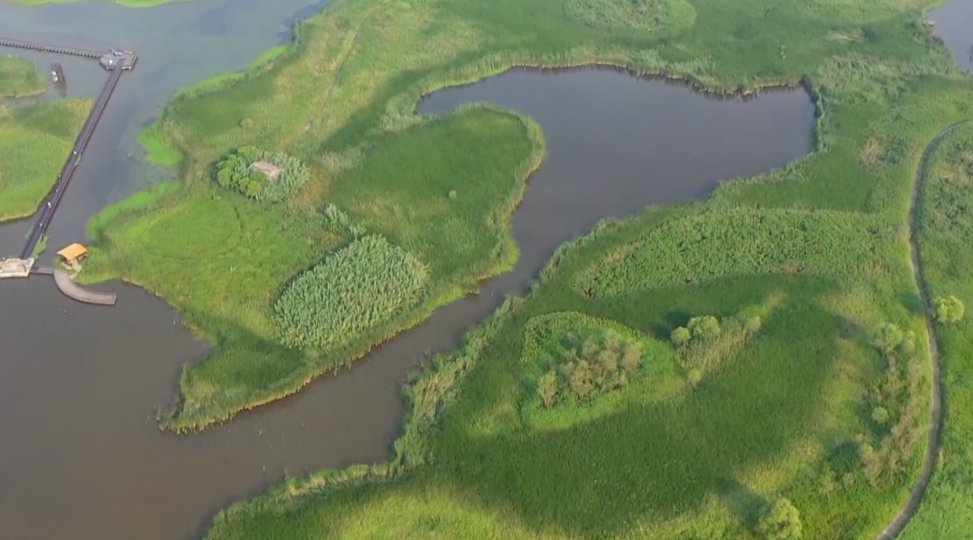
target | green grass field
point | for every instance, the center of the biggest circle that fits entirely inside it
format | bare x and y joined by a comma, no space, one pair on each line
806,408
35,141
19,77
944,234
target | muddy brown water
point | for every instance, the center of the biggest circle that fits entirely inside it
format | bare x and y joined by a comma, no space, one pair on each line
81,455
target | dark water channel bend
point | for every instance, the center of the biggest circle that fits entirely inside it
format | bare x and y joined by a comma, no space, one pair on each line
80,453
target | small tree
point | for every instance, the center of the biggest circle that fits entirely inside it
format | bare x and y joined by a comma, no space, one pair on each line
579,379
752,324
948,309
887,337
706,327
631,358
547,388
780,521
680,336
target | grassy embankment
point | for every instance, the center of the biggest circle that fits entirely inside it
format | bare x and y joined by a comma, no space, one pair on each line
806,408
944,233
19,78
34,141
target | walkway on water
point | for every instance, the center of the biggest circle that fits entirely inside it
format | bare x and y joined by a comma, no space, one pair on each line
66,284
116,62
56,49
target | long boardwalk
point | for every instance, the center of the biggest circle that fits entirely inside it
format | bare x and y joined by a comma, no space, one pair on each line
116,62
50,204
56,49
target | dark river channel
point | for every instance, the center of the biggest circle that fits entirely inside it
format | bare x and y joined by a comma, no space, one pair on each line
81,456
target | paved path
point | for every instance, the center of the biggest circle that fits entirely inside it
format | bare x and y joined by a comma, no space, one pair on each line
931,459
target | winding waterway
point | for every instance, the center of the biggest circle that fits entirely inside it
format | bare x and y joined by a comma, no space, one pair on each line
80,453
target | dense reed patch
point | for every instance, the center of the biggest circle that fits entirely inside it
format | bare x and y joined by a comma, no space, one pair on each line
34,141
663,16
741,242
19,77
354,290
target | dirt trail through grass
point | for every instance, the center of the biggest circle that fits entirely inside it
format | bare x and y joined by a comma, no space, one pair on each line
931,458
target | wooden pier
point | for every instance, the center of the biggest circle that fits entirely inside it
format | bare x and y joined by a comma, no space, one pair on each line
55,49
116,62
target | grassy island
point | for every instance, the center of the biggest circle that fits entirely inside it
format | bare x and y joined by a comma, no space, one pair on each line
755,361
34,141
19,77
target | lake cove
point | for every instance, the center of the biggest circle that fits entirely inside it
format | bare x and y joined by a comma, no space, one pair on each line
119,365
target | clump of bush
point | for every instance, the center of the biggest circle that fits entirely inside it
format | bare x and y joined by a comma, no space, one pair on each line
780,521
633,15
234,172
706,341
590,365
354,290
948,309
891,408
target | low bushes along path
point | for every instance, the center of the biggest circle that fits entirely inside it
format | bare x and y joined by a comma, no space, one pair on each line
931,458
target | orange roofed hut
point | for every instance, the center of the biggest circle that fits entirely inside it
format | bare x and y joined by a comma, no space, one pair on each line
74,254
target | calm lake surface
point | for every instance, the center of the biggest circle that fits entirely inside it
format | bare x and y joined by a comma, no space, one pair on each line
81,455
954,22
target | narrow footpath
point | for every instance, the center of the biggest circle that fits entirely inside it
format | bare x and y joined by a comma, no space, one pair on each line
931,457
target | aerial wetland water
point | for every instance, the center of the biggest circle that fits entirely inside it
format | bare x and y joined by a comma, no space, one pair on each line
81,453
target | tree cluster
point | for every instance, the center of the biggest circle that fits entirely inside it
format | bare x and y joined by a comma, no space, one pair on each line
590,366
891,407
234,172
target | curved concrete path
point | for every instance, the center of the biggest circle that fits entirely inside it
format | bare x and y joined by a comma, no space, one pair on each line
72,290
931,459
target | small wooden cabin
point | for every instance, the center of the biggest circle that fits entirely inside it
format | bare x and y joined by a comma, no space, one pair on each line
73,255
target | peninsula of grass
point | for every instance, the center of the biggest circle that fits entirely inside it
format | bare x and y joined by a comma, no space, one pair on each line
34,142
826,406
19,77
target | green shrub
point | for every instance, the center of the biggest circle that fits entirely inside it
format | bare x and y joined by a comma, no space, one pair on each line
780,521
354,290
234,172
948,309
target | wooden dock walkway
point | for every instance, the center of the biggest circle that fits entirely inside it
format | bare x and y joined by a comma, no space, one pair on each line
74,291
56,49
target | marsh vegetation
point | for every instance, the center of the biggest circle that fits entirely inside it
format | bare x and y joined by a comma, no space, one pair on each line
817,396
